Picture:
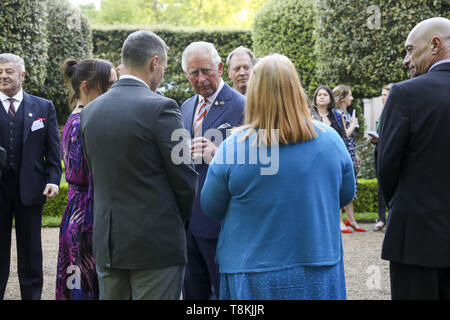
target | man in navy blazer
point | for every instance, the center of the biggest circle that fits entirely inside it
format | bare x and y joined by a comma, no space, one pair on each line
414,167
29,133
207,116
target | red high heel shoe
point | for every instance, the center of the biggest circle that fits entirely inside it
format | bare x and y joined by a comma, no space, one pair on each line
347,223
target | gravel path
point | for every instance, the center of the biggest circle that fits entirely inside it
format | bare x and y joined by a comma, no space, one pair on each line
367,276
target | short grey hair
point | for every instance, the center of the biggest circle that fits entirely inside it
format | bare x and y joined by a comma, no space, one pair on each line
9,57
243,50
142,45
200,47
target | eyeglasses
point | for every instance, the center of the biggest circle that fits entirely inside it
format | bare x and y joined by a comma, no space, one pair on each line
205,71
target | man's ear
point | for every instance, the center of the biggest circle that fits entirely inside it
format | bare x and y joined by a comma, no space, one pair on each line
436,44
220,68
153,63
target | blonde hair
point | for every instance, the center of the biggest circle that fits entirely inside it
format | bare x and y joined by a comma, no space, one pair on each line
276,101
340,93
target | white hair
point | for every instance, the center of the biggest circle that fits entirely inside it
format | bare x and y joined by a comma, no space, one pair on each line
9,57
200,47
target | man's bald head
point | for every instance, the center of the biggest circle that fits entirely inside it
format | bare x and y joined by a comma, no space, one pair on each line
427,43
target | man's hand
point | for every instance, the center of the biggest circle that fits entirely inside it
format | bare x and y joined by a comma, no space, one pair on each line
50,191
203,148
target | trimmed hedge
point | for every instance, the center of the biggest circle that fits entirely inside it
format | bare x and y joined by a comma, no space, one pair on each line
55,207
23,31
287,27
108,43
366,202
69,36
361,42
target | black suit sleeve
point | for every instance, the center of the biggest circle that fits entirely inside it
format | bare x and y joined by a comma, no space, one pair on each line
182,177
392,147
53,148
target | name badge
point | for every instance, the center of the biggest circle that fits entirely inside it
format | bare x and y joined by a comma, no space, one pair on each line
37,124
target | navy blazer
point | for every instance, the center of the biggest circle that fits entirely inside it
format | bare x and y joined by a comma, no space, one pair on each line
414,169
226,112
41,150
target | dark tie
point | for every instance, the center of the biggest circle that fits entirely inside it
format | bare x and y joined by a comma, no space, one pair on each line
11,110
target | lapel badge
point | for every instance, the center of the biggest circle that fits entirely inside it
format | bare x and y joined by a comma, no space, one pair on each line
30,114
220,103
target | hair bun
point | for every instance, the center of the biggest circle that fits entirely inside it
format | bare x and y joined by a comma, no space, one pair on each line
68,67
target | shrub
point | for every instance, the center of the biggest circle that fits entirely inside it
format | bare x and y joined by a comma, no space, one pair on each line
108,43
23,26
287,27
69,36
367,200
362,45
55,207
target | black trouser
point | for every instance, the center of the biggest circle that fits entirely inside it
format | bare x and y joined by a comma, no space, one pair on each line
419,283
28,238
381,202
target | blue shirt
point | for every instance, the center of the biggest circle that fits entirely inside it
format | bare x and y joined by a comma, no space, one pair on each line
285,217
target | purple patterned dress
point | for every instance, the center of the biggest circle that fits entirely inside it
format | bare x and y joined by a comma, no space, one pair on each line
76,276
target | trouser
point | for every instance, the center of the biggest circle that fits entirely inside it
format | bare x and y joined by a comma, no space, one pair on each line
202,272
410,282
28,238
143,284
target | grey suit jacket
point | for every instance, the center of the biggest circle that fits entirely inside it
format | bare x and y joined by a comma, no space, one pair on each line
141,198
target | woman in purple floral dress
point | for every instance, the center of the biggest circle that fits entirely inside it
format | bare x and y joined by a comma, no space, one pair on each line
76,276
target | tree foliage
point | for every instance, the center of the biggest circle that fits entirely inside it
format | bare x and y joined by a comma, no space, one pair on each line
69,36
288,28
361,43
23,31
192,13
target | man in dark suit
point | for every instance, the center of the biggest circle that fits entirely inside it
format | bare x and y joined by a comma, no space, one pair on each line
142,199
29,133
207,116
414,170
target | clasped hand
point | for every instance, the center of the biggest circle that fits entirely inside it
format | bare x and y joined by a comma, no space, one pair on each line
203,148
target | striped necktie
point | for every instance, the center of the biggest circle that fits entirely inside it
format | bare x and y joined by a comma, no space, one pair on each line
11,110
198,120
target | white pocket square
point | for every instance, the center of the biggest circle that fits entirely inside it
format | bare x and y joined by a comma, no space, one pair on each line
225,125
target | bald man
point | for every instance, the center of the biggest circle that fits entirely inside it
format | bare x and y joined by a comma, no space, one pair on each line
414,167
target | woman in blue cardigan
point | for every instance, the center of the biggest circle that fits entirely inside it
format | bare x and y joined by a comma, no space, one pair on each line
277,184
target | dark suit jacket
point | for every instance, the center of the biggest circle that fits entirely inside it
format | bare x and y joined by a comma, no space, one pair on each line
41,150
2,158
141,198
228,110
414,169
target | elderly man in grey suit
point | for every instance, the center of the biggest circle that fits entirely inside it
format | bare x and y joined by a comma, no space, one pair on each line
142,198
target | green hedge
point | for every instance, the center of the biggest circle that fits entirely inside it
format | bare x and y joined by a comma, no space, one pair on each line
23,31
361,42
108,45
287,27
69,36
55,207
366,202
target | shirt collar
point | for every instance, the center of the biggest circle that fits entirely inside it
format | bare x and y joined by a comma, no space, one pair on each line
213,97
18,97
438,63
129,76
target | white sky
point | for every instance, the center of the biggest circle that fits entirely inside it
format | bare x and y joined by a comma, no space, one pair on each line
97,3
